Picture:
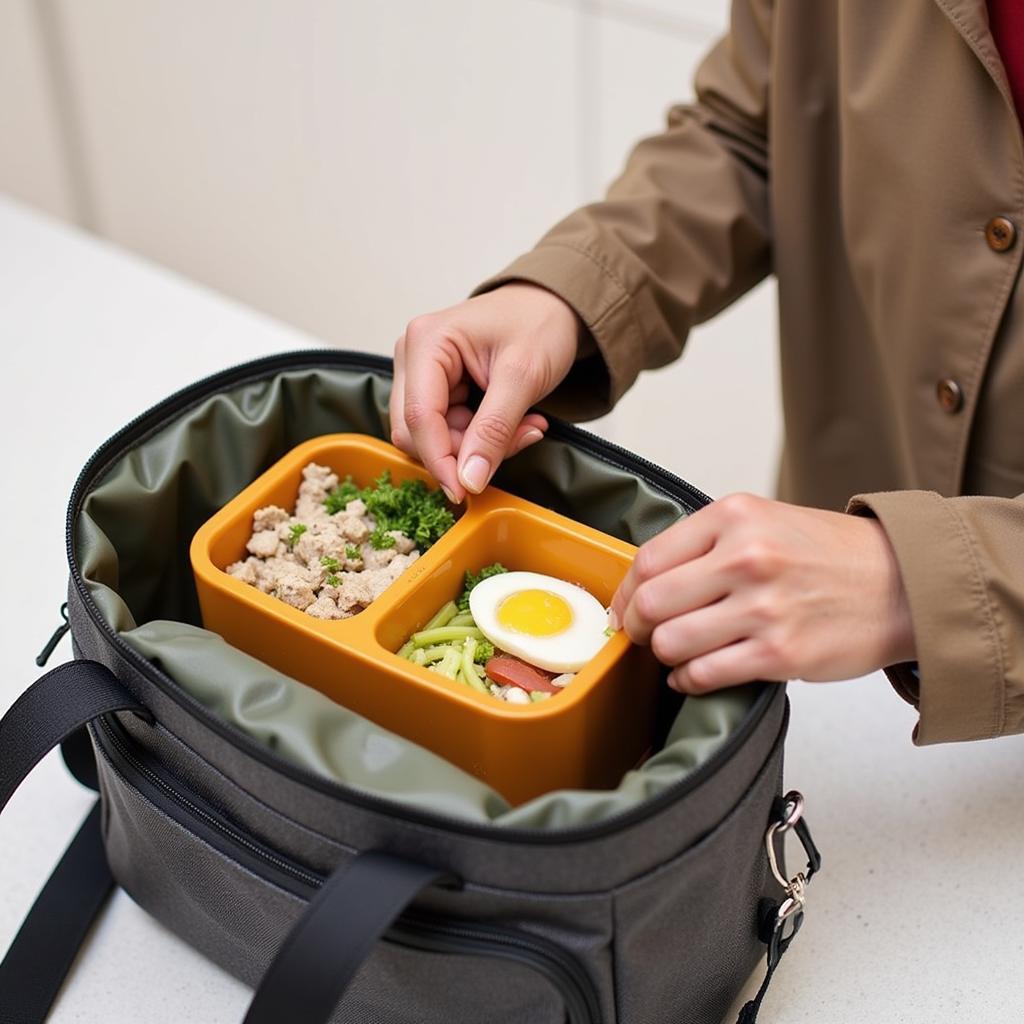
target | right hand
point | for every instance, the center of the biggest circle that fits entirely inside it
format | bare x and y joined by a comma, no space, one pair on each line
517,343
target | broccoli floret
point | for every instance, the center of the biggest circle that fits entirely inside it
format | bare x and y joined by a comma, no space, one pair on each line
296,530
472,579
484,652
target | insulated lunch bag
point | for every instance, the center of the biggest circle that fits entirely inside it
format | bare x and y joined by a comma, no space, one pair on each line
344,872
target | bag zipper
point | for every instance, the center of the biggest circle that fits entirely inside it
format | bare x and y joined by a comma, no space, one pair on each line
148,422
419,930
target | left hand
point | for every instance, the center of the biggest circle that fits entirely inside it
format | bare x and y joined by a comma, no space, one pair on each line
748,588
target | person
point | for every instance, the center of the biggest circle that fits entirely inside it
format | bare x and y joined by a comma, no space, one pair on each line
871,157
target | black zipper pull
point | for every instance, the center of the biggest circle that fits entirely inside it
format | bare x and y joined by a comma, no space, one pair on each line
58,634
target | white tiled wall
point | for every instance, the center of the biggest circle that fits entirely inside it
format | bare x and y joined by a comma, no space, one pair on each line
345,166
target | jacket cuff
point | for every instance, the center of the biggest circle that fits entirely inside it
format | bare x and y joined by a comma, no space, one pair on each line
598,379
958,688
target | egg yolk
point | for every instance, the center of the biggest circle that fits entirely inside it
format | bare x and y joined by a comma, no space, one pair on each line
535,613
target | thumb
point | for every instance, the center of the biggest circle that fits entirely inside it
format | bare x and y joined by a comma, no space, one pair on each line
494,429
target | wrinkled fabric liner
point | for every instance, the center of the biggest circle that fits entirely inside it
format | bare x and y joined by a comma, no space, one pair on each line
132,541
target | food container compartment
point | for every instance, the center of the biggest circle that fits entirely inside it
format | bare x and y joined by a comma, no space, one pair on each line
587,736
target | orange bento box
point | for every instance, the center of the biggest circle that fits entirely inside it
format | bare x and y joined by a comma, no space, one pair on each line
585,737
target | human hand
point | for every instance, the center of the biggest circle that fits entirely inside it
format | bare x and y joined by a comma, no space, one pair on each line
748,588
517,343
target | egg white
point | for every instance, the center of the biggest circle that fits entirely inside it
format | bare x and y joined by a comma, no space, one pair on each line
567,651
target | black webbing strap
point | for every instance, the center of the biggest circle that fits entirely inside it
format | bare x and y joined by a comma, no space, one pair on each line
42,952
328,944
52,710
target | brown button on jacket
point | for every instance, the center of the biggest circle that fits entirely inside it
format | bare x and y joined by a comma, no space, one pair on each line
869,155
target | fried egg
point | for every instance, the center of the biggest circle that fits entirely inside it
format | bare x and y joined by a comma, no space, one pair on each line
547,622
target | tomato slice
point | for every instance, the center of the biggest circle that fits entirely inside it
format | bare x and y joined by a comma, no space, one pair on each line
508,671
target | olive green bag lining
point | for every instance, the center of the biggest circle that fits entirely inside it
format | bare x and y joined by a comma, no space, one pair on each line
132,541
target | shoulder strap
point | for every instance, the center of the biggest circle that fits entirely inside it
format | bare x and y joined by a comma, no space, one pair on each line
326,947
53,710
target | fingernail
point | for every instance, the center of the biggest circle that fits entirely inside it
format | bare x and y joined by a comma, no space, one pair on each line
530,437
613,619
475,473
448,494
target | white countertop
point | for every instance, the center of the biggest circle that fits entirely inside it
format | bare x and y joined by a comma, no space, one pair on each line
917,916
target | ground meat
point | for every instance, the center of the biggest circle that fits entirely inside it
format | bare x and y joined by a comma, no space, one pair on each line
269,518
288,563
324,607
265,544
378,559
294,590
245,571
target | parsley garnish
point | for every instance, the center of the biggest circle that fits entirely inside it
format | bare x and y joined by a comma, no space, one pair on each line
379,540
410,507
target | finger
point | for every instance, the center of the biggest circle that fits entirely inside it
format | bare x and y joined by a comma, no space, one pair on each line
399,433
686,540
432,370
459,393
685,637
728,666
527,433
681,589
493,429
458,418
535,419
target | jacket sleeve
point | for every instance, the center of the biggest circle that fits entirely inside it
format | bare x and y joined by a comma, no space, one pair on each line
682,232
962,561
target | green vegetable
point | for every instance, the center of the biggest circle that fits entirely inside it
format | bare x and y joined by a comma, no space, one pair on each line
331,580
337,499
330,564
436,653
418,657
484,652
411,507
463,618
536,695
472,579
352,553
405,651
449,664
445,617
609,631
296,530
379,540
469,672
429,637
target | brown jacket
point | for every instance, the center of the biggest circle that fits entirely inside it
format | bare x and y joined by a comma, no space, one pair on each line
860,152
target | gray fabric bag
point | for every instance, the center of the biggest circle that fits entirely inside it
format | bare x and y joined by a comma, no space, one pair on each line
282,835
